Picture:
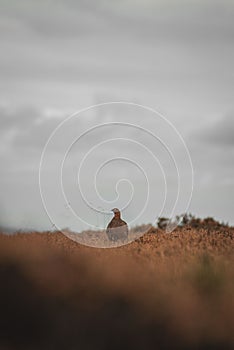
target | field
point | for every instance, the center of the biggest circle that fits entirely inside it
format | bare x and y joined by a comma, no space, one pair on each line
163,291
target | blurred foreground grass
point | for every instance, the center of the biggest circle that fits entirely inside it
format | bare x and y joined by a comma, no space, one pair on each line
164,291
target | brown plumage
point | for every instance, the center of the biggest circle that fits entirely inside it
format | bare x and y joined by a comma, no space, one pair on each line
117,229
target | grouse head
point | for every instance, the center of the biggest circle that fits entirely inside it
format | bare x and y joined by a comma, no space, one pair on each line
116,211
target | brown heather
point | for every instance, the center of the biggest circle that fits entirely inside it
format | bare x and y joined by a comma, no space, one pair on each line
163,291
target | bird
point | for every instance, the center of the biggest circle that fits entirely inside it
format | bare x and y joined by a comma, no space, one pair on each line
117,229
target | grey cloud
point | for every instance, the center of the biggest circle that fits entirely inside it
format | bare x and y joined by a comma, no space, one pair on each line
28,127
220,134
20,118
46,18
83,42
201,20
212,152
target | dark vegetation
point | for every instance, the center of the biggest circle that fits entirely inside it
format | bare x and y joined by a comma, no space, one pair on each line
189,220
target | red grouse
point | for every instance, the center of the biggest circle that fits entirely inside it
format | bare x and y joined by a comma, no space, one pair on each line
117,229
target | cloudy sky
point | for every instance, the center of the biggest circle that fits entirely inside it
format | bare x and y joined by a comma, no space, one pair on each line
58,57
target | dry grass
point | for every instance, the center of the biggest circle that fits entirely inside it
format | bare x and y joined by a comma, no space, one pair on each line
164,291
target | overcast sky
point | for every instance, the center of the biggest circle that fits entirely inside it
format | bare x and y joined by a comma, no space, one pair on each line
60,56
